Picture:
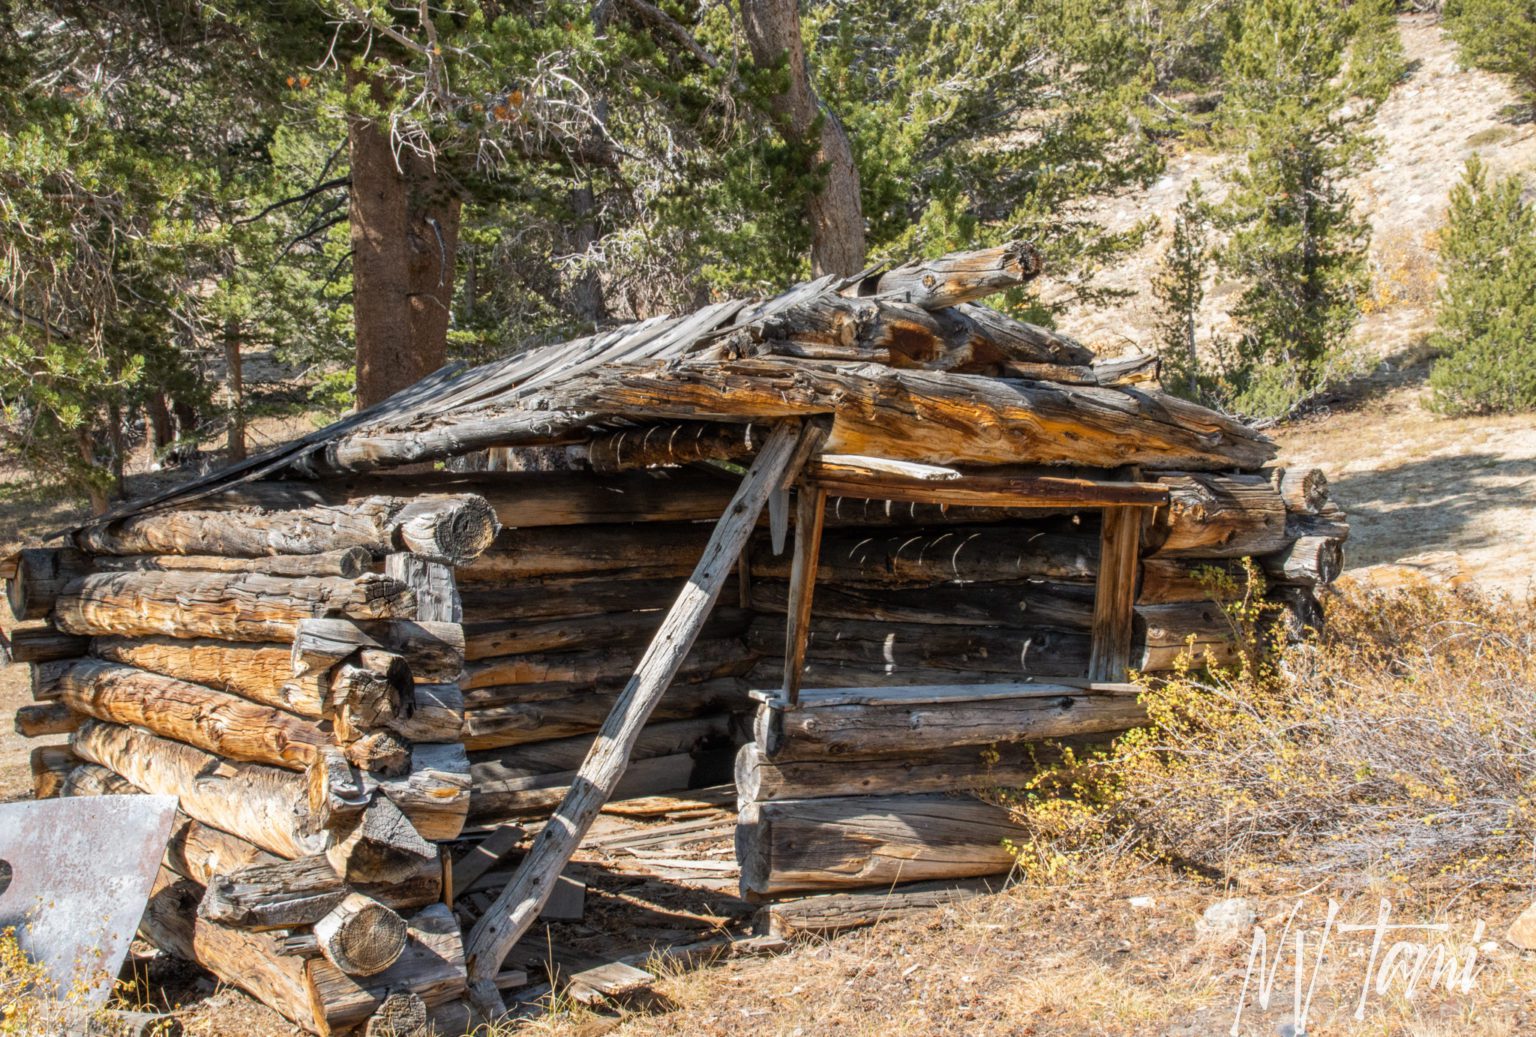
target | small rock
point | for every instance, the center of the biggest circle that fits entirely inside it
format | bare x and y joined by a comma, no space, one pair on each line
1523,932
1142,903
1226,917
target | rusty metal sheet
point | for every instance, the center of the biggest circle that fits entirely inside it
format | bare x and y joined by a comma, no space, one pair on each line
80,872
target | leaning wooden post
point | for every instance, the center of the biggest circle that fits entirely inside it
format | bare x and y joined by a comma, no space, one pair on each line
519,903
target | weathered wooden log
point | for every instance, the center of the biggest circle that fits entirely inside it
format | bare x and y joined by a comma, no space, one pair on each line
231,606
200,852
1219,516
431,967
677,443
656,550
434,651
1201,630
273,895
894,648
489,639
1055,606
42,573
568,597
45,718
50,766
433,584
215,721
263,805
1166,581
371,689
1310,561
452,529
434,794
839,912
923,718
259,672
254,962
802,845
381,846
816,775
708,660
990,553
520,499
581,710
959,277
44,644
517,907
381,751
44,678
90,779
360,936
350,562
1303,490
1300,615
904,335
436,715
1330,521
1032,422
491,801
663,738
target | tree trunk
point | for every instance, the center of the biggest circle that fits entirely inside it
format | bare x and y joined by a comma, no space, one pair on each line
836,215
236,437
405,229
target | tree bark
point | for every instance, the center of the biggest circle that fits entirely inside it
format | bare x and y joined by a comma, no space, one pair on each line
405,228
837,219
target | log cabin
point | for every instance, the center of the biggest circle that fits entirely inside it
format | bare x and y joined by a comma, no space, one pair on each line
881,542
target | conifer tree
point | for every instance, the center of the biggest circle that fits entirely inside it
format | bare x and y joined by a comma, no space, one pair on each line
1302,75
1486,324
1180,289
1497,35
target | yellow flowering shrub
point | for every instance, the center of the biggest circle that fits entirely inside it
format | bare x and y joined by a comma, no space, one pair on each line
1398,744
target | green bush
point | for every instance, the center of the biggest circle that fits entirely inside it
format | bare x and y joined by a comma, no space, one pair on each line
1486,329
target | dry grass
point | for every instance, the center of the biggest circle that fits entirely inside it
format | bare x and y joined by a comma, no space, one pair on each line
1397,748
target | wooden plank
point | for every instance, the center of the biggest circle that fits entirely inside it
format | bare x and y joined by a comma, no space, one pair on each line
486,854
930,484
518,906
811,509
1114,601
954,694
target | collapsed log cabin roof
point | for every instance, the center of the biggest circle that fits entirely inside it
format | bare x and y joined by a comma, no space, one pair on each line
906,364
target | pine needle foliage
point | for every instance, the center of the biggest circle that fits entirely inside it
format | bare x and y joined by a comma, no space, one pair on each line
1486,322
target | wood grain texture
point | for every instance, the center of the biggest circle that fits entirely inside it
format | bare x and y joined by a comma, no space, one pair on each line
228,606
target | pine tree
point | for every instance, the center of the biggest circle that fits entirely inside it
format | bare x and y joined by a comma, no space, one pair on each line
1180,288
1497,35
1486,325
1300,78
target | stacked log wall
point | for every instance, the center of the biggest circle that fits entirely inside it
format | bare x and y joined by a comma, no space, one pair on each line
292,675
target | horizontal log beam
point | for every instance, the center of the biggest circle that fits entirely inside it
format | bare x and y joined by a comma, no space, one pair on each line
228,606
650,551
959,277
259,672
839,912
452,529
263,805
720,657
41,574
582,710
45,644
849,478
214,721
350,562
794,846
1026,713
1219,516
434,651
493,638
981,553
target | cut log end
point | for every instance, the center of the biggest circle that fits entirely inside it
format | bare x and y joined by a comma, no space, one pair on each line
360,936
